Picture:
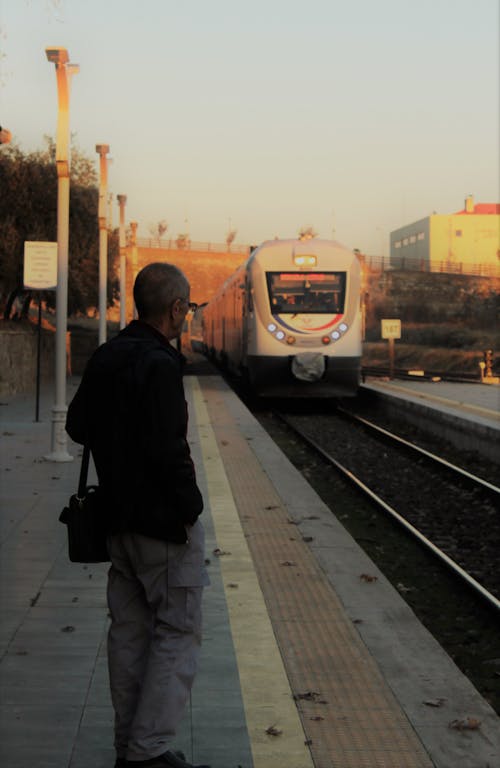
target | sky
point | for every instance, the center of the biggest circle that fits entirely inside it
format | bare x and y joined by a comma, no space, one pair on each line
354,117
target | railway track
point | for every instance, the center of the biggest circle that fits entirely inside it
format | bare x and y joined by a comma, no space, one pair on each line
451,511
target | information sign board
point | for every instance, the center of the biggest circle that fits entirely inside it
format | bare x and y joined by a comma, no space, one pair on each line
391,329
40,266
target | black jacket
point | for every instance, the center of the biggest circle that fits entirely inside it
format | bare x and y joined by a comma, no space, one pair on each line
131,410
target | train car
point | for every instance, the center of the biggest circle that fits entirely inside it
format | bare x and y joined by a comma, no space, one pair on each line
289,320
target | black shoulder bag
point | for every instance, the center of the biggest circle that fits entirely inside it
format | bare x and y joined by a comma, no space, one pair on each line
85,520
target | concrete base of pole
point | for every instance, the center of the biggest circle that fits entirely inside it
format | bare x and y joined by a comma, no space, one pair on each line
59,442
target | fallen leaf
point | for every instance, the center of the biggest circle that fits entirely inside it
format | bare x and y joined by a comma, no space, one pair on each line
233,586
366,577
288,562
307,538
219,552
434,702
309,696
68,628
308,742
317,718
273,731
272,506
468,724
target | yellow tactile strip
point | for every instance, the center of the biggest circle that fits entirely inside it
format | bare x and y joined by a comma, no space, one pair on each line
349,714
264,683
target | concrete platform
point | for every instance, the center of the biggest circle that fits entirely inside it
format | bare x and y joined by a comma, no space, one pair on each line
304,664
468,415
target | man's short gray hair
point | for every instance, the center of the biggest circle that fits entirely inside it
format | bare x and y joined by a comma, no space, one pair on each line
156,288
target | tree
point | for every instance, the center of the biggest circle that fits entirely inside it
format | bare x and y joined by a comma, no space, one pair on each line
230,238
182,241
159,229
307,233
28,211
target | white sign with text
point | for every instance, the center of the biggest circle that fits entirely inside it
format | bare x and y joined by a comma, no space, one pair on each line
40,266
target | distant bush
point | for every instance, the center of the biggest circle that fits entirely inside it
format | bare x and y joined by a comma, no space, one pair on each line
442,359
449,335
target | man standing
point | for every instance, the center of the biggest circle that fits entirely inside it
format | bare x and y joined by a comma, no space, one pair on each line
130,409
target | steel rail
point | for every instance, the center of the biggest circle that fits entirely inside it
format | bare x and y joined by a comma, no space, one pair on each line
448,561
428,454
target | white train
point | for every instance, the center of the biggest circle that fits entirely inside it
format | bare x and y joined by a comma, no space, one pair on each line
289,320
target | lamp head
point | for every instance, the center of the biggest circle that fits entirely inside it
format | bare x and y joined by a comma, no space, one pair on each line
102,149
57,55
5,135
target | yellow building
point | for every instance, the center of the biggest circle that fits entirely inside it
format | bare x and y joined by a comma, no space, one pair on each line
467,241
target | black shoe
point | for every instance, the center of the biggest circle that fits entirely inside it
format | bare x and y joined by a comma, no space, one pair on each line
167,760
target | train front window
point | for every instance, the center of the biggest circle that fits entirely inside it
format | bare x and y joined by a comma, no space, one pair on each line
306,292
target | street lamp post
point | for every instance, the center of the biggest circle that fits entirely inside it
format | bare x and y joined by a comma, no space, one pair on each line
122,199
134,258
102,150
64,71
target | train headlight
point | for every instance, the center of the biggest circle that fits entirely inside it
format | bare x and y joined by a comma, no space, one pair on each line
305,260
343,327
335,335
271,327
290,339
280,335
326,339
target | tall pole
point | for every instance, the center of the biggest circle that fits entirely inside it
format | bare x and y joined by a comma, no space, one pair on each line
64,70
102,150
122,199
134,257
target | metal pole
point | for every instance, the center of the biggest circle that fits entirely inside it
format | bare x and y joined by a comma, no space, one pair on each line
59,56
103,150
38,351
134,258
122,199
391,358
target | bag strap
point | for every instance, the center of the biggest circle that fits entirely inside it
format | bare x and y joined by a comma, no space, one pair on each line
82,482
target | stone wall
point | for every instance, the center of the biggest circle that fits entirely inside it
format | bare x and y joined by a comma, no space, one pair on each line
18,357
205,270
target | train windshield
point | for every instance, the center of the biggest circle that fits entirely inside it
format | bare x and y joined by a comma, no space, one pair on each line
306,292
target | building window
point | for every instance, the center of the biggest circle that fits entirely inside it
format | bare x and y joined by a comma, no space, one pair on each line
413,239
405,241
458,233
421,236
397,244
